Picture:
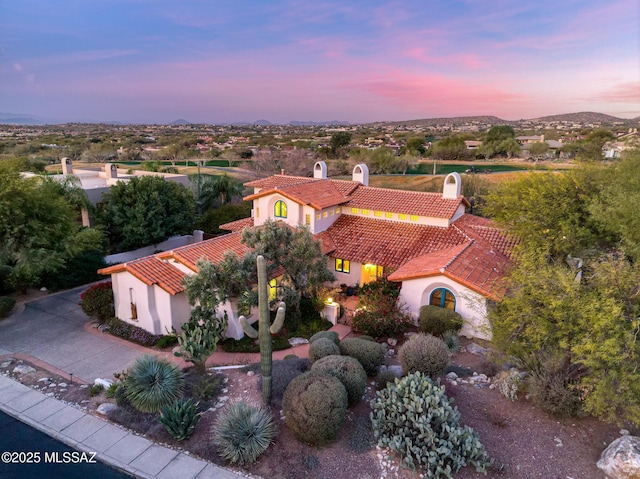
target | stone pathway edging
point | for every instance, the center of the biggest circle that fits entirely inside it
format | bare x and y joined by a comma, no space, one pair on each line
113,445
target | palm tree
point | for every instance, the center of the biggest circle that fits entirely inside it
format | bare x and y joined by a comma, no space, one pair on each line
218,190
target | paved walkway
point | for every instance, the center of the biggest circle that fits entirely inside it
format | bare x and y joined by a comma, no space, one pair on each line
113,445
52,333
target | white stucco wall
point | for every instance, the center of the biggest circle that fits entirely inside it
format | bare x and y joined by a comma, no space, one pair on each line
469,304
327,217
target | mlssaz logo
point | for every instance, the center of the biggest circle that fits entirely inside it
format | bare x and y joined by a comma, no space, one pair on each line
70,457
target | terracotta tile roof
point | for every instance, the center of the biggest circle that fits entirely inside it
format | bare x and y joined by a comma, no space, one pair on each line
408,202
151,270
237,225
483,228
474,264
318,194
278,180
386,243
212,249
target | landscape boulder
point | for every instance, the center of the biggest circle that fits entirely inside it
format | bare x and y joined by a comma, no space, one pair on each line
621,459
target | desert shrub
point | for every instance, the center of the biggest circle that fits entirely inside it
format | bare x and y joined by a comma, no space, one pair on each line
243,432
166,341
6,305
209,387
369,353
384,377
180,418
435,320
452,341
508,383
314,406
152,383
250,345
379,294
382,322
424,353
322,347
132,333
552,392
111,390
282,373
346,369
97,301
95,389
332,335
414,418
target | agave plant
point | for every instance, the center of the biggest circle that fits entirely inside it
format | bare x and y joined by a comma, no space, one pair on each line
153,383
452,340
243,432
180,418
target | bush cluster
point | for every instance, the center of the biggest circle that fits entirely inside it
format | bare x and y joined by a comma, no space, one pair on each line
282,373
369,353
348,371
508,383
314,407
322,347
6,305
127,331
424,353
379,313
414,418
435,320
332,335
381,322
552,392
243,432
97,301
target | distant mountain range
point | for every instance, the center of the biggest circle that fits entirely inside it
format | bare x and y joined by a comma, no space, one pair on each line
585,117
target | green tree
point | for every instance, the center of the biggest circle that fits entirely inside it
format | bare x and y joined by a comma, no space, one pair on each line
339,141
616,207
211,220
416,146
548,212
588,324
500,133
539,149
146,211
39,231
292,250
218,190
211,286
450,148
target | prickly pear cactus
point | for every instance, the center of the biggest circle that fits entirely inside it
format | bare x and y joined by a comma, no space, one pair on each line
265,329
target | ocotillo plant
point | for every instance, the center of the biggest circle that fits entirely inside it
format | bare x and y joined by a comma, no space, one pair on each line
265,329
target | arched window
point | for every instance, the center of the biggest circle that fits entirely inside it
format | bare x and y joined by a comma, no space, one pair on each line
280,209
443,298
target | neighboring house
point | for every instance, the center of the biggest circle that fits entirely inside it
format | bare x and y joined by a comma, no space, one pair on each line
526,142
97,181
441,255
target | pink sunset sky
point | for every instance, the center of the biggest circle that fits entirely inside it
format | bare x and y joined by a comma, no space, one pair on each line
357,61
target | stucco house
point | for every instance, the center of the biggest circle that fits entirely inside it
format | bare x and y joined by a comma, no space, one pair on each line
441,255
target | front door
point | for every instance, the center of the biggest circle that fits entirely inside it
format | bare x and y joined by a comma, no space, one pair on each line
370,272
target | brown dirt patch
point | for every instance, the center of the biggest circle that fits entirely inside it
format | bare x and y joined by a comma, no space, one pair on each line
530,443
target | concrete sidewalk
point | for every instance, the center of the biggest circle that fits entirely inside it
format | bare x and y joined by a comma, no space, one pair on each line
113,445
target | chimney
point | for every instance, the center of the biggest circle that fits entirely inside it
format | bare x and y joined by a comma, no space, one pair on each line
361,174
541,138
282,171
320,170
67,168
110,170
452,186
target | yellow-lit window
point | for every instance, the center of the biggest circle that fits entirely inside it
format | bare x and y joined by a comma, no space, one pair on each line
257,212
377,213
337,211
414,217
388,215
343,265
318,216
280,209
402,216
355,211
325,214
273,287
365,212
332,212
307,219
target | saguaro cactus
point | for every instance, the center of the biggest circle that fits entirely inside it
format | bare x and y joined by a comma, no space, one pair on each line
265,329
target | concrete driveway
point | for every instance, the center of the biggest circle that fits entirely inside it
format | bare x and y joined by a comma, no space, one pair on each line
52,330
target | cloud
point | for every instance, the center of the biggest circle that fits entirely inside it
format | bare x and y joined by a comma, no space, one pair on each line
626,92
